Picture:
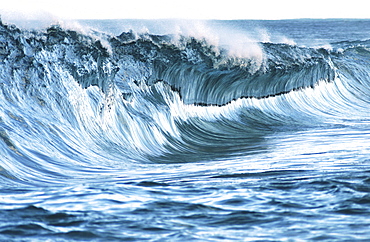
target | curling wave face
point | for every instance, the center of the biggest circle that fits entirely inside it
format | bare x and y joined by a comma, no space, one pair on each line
73,104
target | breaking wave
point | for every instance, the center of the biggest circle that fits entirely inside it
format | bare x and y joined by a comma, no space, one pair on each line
73,104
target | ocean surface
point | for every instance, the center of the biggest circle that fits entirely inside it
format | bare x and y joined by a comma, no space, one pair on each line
171,130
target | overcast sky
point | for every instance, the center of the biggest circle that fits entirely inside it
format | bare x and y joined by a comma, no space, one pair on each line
184,9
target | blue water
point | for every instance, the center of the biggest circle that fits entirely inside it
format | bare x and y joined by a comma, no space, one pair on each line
138,130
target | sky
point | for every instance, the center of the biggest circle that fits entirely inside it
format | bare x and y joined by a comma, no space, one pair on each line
184,9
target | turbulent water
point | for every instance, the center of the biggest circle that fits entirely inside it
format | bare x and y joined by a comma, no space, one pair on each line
217,131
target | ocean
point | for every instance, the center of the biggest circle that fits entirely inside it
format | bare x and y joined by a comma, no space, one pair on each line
174,130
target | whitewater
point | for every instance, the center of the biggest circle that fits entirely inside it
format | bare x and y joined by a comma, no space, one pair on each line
169,130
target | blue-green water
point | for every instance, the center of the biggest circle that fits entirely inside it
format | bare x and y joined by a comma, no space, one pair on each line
131,130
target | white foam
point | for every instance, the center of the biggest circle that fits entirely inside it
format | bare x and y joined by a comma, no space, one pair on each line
238,44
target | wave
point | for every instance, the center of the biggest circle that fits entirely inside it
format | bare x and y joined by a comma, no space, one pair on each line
74,103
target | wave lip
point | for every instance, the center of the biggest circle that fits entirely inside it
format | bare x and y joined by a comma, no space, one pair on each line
205,76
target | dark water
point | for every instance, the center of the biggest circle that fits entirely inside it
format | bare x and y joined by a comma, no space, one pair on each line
185,131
